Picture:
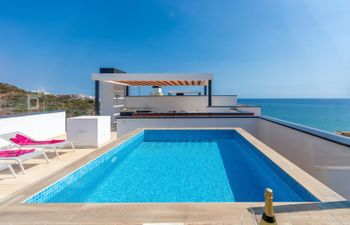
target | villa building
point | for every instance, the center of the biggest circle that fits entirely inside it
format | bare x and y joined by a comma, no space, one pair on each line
113,98
209,154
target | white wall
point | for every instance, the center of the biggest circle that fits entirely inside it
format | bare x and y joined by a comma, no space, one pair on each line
178,103
224,100
254,109
220,109
327,161
168,103
106,99
125,126
41,125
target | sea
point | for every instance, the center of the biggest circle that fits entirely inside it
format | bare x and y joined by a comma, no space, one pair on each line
324,114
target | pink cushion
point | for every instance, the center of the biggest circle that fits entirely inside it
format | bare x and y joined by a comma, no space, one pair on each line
17,141
43,142
21,137
23,140
15,153
54,141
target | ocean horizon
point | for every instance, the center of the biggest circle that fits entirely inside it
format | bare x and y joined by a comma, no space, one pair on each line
329,114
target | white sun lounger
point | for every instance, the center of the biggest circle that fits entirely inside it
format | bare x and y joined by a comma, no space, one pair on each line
22,158
4,166
48,147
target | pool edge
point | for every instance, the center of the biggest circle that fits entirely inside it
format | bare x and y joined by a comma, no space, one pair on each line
315,187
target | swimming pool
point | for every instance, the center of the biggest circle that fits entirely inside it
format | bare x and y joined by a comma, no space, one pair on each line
177,166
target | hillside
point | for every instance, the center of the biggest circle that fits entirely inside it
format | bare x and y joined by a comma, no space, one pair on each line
14,100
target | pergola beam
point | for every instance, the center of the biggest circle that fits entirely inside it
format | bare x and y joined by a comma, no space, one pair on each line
160,82
157,79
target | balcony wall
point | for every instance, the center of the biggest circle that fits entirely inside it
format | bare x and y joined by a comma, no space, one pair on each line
324,155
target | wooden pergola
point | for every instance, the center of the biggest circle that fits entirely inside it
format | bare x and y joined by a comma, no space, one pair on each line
154,79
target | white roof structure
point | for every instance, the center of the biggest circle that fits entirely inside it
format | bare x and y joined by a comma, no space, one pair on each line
155,79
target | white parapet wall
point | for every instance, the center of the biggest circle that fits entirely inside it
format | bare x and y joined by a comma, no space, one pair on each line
125,126
168,103
319,153
253,109
256,110
179,103
37,125
224,100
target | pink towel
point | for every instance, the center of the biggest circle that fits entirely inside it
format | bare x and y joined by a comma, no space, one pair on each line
15,153
23,140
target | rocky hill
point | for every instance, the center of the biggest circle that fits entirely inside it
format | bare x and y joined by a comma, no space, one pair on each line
14,100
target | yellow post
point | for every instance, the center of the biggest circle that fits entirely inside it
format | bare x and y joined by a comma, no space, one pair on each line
268,217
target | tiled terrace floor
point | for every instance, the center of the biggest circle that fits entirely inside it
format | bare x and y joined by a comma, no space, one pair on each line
223,213
38,169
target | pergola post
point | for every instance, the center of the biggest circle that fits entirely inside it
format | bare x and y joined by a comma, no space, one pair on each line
97,97
205,89
126,91
209,92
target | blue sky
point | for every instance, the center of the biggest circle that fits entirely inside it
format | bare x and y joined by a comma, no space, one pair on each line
254,48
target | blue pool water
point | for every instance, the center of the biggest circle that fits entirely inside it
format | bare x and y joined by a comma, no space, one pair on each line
177,166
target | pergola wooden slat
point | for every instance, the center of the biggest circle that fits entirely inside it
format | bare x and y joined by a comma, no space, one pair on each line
163,82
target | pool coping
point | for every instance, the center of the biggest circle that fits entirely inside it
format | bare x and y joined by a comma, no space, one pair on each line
13,204
315,187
